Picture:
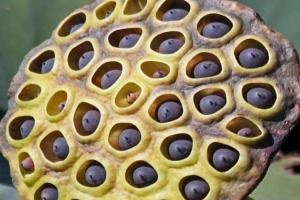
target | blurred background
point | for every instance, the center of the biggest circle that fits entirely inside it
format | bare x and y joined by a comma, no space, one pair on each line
27,23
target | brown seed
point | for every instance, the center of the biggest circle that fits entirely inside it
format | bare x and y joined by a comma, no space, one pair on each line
132,97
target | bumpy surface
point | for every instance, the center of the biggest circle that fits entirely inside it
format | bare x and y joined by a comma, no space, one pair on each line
145,99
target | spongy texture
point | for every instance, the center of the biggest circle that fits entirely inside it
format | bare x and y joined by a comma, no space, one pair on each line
62,79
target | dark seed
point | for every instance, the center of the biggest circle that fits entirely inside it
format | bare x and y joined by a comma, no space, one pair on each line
196,189
180,149
95,175
170,46
174,14
215,30
206,69
61,106
129,41
85,59
109,78
144,176
169,111
245,132
90,121
47,65
211,104
260,97
60,148
224,159
26,127
253,58
129,138
49,193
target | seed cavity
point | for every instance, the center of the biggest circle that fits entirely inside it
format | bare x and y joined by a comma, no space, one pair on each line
125,38
214,26
43,63
72,24
141,174
80,56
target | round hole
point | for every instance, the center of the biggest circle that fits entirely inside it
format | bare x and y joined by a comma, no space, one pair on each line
43,63
222,157
177,147
55,147
29,92
125,38
260,95
91,174
86,119
173,10
26,164
107,74
141,174
251,54
210,101
204,65
81,56
57,103
134,6
194,187
214,26
155,69
124,136
47,191
168,42
166,108
243,127
105,10
127,95
21,127
73,24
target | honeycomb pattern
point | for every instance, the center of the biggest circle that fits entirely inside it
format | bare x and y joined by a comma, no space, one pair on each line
56,99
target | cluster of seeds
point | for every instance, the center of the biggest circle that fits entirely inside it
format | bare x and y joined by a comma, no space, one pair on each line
143,99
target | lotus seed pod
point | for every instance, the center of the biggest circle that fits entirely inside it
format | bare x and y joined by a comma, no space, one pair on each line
145,99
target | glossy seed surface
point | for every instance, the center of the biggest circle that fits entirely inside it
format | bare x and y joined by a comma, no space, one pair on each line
129,138
49,193
170,46
144,176
90,121
260,97
206,69
159,74
245,132
61,106
196,189
211,104
28,164
85,59
253,58
47,65
180,149
169,111
26,127
215,30
95,175
174,14
109,78
129,41
224,159
60,148
75,27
